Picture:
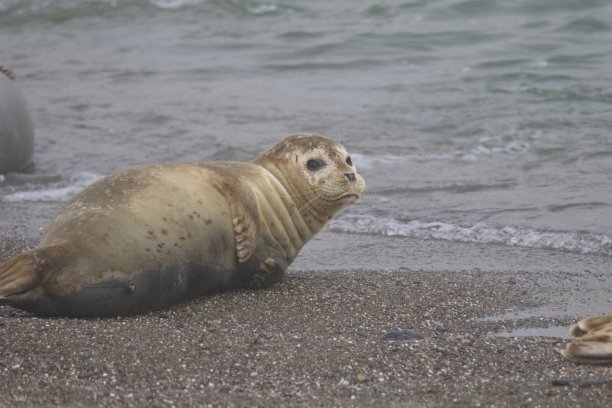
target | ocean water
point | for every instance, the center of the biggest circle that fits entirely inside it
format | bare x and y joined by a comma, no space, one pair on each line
473,121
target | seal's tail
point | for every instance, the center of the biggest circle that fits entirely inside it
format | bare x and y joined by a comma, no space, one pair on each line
26,271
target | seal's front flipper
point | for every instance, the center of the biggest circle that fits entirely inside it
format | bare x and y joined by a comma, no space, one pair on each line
245,232
28,270
244,220
270,271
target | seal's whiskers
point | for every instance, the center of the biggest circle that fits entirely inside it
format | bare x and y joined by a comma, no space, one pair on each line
309,205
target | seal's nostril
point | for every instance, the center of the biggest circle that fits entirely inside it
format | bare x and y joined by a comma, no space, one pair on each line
350,176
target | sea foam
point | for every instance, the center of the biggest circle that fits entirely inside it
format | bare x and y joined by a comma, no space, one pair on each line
570,241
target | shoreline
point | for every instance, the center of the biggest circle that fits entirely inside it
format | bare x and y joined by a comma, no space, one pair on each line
313,340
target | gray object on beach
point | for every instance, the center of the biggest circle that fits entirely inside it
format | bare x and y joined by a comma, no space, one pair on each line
16,135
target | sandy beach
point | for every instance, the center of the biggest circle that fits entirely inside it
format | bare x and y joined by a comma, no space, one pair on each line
322,338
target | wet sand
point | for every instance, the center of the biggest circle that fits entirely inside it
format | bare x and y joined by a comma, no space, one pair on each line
315,340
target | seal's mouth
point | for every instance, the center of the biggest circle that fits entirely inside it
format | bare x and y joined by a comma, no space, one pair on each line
344,196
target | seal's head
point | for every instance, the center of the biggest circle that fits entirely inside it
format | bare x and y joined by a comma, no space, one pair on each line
316,171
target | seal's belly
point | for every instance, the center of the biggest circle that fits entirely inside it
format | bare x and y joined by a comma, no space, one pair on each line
145,291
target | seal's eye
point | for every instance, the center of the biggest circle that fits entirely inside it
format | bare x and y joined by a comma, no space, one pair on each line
314,164
349,161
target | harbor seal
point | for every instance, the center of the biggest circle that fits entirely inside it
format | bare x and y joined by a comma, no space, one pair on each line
155,235
16,135
591,341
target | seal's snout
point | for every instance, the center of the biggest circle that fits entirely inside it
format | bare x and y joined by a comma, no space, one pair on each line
351,177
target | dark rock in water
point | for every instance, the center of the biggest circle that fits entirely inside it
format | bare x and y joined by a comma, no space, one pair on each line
402,334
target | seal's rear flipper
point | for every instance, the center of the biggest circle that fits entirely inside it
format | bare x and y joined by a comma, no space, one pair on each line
592,341
26,271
